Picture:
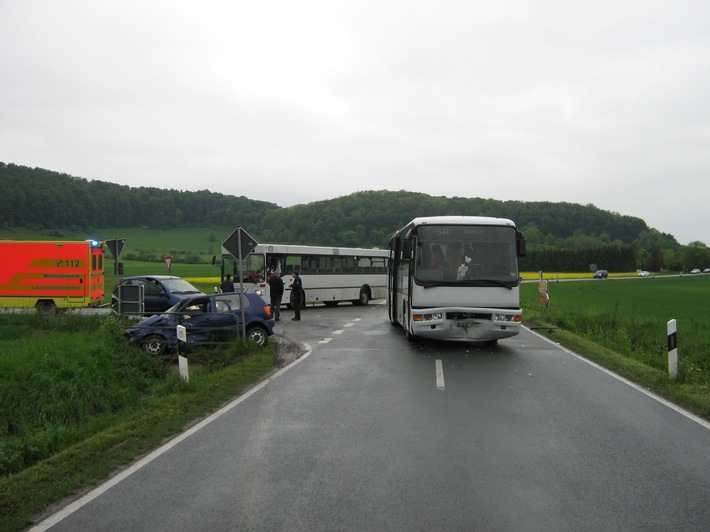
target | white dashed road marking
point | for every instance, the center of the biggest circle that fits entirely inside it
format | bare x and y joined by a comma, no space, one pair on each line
439,375
339,331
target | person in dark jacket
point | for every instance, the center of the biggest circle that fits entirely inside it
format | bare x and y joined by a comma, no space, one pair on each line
276,292
297,294
227,285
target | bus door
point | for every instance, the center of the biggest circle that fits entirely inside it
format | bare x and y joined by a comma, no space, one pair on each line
401,258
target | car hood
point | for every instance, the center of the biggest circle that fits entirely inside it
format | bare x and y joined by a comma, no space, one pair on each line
157,320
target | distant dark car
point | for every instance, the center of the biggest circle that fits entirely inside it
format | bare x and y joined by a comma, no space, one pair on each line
160,292
207,319
601,274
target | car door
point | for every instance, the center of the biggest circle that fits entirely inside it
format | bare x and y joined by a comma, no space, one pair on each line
226,308
154,297
236,301
209,320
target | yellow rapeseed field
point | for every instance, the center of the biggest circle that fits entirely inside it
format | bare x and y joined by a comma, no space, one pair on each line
552,276
527,276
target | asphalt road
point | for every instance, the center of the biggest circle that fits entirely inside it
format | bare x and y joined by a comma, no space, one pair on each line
371,432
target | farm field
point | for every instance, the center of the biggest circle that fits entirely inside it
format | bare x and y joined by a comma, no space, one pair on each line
202,241
204,276
557,276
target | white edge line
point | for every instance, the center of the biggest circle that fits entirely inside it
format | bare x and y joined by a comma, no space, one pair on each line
93,494
672,406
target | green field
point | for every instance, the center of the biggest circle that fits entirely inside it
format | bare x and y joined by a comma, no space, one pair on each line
204,242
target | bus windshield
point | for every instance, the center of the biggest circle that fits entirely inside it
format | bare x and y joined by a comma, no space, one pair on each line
255,270
465,255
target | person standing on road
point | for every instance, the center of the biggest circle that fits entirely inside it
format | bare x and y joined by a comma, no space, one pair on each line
297,294
276,292
227,285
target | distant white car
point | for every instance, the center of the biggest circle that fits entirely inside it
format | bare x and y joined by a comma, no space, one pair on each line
695,270
706,270
644,274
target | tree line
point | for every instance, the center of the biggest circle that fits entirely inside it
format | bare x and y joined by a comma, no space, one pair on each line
560,236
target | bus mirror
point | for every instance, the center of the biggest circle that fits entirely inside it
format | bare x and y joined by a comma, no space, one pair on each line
406,249
520,240
214,260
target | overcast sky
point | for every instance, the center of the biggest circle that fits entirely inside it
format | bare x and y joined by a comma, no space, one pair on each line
288,101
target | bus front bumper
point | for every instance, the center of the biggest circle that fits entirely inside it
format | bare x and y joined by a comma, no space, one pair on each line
479,325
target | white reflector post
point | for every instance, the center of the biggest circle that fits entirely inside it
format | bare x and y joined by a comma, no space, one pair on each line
183,368
672,349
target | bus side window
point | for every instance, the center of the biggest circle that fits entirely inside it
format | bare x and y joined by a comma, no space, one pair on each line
349,265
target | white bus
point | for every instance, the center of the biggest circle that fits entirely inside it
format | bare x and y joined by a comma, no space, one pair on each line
456,278
330,275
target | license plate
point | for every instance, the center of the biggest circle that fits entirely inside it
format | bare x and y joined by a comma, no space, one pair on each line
467,324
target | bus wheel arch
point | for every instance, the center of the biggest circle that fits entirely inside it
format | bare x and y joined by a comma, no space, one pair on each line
406,311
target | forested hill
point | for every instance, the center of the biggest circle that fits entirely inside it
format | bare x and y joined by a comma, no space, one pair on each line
47,200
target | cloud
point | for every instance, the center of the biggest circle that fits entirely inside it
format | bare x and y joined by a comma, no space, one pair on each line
293,102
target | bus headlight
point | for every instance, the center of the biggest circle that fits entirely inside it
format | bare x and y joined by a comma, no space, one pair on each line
428,317
507,318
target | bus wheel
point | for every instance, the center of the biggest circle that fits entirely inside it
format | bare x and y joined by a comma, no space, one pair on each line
364,298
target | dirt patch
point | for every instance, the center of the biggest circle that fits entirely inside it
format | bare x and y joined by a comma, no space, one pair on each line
287,350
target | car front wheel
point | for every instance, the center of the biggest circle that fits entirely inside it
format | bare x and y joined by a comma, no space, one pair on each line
154,345
257,335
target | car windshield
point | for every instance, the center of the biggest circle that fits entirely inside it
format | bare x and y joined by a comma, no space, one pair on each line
172,310
180,286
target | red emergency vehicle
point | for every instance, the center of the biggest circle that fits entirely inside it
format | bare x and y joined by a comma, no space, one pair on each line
47,274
